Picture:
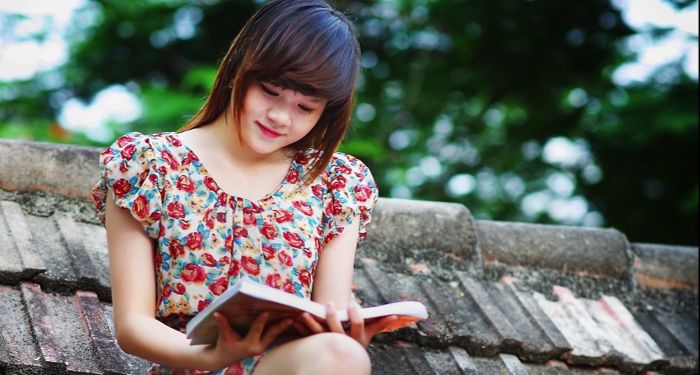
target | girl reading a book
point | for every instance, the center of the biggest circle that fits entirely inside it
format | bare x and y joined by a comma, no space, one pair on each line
250,188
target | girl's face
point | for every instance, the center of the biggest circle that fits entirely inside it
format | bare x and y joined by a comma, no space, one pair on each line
274,117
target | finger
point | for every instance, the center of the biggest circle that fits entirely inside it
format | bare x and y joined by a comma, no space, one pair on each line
310,322
258,326
332,318
381,324
225,330
302,328
275,330
357,324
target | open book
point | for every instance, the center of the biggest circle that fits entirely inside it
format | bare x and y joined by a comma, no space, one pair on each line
245,300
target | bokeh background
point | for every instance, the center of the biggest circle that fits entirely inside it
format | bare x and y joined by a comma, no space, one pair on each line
579,112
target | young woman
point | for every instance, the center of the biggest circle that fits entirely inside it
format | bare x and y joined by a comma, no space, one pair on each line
252,188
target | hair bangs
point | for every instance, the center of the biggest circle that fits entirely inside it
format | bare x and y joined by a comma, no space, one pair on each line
320,59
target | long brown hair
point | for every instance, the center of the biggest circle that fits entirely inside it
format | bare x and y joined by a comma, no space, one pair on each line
302,45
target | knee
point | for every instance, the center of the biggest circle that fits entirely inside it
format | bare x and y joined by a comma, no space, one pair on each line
340,351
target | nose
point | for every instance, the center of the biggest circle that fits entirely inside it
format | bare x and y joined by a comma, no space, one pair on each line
279,116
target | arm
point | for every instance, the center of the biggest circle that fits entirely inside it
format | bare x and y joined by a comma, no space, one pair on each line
333,279
333,283
133,281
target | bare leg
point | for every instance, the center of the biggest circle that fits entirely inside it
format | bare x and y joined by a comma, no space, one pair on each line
322,353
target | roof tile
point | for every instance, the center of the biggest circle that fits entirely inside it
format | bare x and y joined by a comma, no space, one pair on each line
463,319
17,340
108,354
42,327
20,237
540,320
512,364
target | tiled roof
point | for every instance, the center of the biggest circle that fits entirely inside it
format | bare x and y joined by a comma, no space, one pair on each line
503,298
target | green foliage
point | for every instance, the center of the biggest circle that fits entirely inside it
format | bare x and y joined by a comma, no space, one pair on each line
458,101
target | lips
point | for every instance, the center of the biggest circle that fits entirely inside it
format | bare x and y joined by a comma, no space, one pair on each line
267,131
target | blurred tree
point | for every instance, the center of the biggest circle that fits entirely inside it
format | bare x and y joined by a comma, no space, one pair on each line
506,106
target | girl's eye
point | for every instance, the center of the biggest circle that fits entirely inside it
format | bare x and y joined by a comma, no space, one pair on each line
267,90
306,109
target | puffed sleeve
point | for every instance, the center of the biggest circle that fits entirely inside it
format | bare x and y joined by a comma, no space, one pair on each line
129,168
352,192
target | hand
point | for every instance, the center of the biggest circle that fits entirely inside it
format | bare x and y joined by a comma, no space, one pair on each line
358,330
231,347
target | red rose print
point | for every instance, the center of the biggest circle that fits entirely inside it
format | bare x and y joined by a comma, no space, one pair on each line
155,216
221,217
193,273
123,140
194,240
168,157
166,291
335,208
202,305
288,286
317,190
293,239
284,258
228,243
250,265
107,159
209,260
141,207
248,215
123,167
222,198
224,259
211,184
180,288
176,249
283,216
121,187
173,140
273,280
293,176
302,159
305,277
268,230
189,158
268,252
343,169
208,220
176,210
362,193
218,286
239,232
235,268
307,253
128,151
303,207
185,184
184,224
338,182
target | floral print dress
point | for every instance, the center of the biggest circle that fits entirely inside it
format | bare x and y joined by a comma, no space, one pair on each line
208,239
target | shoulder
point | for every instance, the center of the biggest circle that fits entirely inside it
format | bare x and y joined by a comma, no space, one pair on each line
345,164
138,147
347,174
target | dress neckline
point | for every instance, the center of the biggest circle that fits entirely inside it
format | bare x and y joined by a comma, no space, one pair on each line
204,171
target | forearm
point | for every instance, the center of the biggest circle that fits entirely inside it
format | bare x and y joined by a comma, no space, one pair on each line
152,340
